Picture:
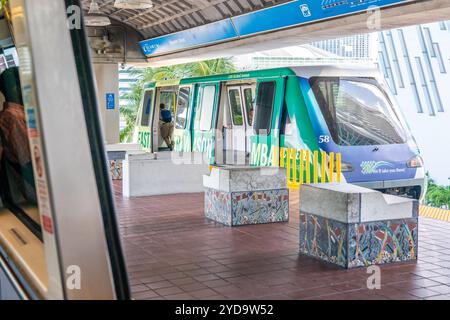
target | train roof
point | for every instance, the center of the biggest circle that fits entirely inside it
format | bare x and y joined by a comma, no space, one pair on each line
301,71
336,71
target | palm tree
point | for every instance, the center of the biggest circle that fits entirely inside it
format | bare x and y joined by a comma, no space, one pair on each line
209,67
134,97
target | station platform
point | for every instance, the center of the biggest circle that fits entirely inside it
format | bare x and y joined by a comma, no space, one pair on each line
173,252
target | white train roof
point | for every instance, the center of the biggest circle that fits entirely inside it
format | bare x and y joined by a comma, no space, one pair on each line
337,71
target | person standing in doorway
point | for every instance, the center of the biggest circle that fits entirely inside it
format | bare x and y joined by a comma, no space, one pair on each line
166,125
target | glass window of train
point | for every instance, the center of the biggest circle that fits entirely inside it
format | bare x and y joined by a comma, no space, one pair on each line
248,99
207,107
146,110
264,107
182,108
168,98
17,184
357,111
287,126
20,227
236,107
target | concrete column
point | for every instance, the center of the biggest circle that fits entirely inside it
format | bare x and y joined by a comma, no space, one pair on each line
107,77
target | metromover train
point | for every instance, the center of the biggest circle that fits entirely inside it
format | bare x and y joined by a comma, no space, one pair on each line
253,115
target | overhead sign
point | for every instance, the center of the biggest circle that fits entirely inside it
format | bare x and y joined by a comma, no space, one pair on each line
210,33
300,12
286,15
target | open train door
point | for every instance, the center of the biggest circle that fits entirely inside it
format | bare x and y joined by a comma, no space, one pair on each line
78,234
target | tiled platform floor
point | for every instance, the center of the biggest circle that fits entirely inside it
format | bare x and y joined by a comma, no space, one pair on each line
173,252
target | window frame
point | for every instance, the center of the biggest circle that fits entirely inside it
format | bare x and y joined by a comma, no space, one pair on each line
188,108
367,80
199,109
238,90
255,131
284,125
144,107
244,89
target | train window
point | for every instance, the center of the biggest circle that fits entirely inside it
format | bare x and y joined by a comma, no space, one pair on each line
264,107
287,126
206,107
236,107
17,184
182,108
248,99
148,100
168,98
357,111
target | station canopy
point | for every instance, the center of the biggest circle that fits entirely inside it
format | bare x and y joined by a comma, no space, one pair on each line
180,31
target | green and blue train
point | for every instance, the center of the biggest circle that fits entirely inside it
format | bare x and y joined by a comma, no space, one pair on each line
250,116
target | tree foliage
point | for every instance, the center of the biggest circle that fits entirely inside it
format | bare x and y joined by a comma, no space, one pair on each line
437,196
134,97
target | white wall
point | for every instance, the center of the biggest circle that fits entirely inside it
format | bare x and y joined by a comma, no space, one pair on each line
107,77
432,132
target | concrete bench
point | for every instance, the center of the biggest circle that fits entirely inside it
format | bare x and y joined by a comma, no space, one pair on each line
116,153
353,226
242,195
163,173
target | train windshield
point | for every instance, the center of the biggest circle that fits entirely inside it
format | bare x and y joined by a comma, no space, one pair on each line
357,111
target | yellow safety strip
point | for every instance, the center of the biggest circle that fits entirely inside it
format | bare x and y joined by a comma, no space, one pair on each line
434,213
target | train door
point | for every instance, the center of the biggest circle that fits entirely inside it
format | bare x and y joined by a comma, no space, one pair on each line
265,139
162,132
240,104
248,97
204,126
144,133
237,142
182,132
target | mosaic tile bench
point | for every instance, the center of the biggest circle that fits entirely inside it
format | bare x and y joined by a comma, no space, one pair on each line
236,196
353,227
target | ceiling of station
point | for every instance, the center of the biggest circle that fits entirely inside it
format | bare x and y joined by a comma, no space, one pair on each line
168,16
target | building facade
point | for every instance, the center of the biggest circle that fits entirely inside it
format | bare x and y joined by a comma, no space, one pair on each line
415,62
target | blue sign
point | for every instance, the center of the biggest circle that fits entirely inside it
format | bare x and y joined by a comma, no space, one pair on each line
31,118
286,15
299,12
207,34
110,101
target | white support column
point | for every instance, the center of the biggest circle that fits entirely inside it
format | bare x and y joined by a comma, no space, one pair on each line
107,78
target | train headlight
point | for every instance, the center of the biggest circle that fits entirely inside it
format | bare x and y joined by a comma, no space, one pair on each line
415,162
345,167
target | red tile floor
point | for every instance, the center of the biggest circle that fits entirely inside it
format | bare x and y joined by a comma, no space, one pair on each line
173,252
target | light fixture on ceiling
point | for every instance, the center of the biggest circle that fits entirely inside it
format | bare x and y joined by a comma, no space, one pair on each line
133,4
95,18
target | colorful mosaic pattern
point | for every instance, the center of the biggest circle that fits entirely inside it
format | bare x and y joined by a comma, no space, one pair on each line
255,207
382,242
323,238
361,244
248,207
218,206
